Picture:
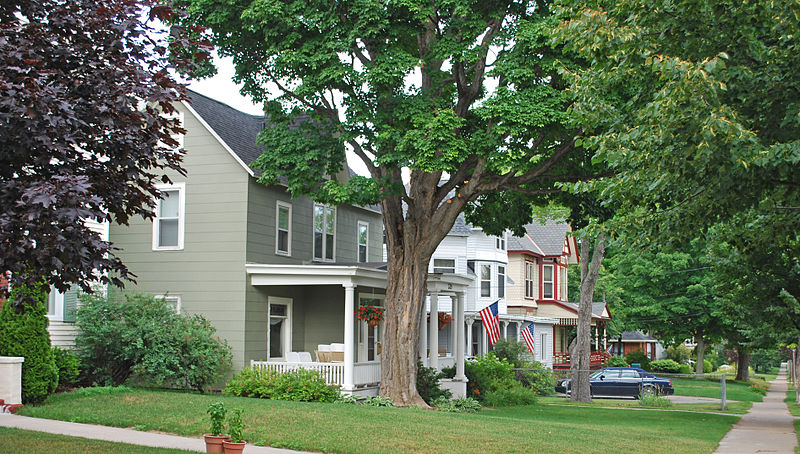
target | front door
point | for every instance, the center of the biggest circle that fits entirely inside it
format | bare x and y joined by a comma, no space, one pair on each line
279,329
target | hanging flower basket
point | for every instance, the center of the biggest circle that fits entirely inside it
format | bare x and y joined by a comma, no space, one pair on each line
444,319
373,315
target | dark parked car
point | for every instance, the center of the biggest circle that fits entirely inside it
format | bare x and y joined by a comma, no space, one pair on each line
622,381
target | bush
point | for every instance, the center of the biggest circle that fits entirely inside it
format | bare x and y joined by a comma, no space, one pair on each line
514,352
505,397
639,357
428,384
378,401
665,365
686,369
616,361
488,373
144,336
462,405
707,367
298,385
23,332
679,353
540,381
759,389
69,367
655,401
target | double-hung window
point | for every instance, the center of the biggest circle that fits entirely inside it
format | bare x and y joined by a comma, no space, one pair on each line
324,232
547,281
363,236
562,283
529,288
500,242
501,281
169,217
486,280
446,266
283,229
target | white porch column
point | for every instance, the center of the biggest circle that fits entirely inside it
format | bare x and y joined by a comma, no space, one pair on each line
505,329
423,339
484,340
459,325
349,336
605,339
469,333
453,326
433,340
596,337
519,331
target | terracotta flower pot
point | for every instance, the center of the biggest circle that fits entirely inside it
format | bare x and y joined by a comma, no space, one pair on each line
233,448
214,442
374,322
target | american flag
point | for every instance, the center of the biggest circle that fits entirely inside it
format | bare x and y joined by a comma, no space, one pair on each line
527,336
491,321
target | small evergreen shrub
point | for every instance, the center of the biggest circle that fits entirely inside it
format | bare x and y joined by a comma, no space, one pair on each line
143,335
506,397
665,365
686,369
638,357
23,332
708,367
428,383
616,361
69,367
462,405
299,385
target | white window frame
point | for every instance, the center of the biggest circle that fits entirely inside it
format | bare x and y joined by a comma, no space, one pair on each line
55,299
360,224
530,288
562,283
181,188
278,205
168,298
551,281
500,242
325,209
484,266
434,267
501,281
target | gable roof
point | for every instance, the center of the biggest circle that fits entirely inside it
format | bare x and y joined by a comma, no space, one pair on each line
598,309
542,239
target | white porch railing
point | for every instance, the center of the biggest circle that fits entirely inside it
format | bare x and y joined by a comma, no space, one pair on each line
364,374
444,361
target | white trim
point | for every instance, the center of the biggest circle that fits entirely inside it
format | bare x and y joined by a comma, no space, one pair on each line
552,281
363,328
278,205
287,333
57,299
433,264
481,280
181,187
219,139
325,209
358,242
167,297
528,276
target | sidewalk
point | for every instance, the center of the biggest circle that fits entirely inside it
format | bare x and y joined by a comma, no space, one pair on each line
120,435
767,427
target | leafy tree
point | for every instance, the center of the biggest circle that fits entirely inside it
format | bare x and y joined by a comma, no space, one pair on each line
467,95
85,97
668,292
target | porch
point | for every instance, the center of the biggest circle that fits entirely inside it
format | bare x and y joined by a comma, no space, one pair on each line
564,332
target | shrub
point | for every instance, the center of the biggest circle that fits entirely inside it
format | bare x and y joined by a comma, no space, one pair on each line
638,357
505,397
708,367
679,353
540,381
616,361
461,405
759,389
428,383
144,336
488,373
686,369
655,401
514,352
298,385
68,367
665,365
378,401
23,332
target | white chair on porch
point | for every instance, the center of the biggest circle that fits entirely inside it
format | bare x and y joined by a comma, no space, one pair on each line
324,353
337,353
304,357
292,357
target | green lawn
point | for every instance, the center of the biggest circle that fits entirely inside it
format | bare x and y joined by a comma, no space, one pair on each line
738,408
794,409
343,428
735,390
16,440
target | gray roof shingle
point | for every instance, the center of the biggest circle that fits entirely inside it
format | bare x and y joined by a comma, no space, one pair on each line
543,239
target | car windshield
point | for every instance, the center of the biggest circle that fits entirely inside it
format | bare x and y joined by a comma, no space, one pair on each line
597,374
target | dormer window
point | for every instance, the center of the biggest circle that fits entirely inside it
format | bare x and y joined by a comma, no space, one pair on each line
500,243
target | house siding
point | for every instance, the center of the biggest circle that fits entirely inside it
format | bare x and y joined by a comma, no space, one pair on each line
208,274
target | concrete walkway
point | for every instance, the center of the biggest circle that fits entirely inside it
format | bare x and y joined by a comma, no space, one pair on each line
767,427
130,436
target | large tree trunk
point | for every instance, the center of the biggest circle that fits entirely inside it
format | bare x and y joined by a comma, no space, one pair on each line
700,349
742,364
796,370
581,348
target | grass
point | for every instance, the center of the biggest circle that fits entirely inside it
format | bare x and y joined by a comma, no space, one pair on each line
17,440
735,390
794,408
736,408
343,428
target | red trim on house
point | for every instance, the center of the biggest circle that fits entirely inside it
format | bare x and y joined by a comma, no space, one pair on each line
577,254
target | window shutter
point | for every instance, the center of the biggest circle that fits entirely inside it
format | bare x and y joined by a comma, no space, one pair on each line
70,303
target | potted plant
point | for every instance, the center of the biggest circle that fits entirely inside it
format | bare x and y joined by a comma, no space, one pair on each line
235,444
214,440
373,315
444,319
